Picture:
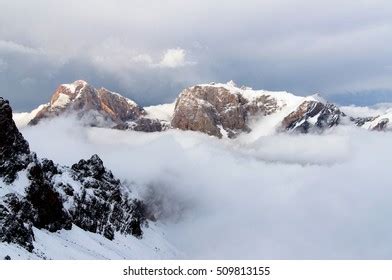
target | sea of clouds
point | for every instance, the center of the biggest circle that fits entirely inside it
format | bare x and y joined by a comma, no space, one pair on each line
276,197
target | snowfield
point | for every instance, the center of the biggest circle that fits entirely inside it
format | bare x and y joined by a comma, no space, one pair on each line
77,244
276,196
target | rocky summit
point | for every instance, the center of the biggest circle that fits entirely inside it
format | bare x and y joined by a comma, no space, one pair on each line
218,111
313,116
95,107
37,193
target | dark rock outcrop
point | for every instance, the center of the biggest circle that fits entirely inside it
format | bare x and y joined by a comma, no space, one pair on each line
15,225
58,197
381,125
14,149
377,123
102,206
312,116
46,202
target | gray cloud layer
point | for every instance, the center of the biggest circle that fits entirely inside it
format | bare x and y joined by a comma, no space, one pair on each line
149,50
319,197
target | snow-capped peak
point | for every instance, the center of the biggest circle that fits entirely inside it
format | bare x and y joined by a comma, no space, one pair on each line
231,83
72,86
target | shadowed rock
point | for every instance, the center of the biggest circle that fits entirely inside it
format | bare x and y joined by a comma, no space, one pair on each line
312,116
14,149
93,199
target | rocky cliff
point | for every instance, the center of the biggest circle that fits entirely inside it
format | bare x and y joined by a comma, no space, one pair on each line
96,107
14,150
39,193
218,111
313,116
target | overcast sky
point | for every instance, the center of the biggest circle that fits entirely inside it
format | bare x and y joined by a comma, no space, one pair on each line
150,50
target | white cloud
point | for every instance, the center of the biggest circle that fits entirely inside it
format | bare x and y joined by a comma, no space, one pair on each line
13,47
328,196
143,59
173,58
117,56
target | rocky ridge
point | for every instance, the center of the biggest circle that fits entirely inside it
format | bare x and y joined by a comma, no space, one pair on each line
221,110
313,116
96,107
227,110
39,193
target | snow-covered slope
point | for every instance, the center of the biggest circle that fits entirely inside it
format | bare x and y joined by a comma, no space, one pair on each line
78,244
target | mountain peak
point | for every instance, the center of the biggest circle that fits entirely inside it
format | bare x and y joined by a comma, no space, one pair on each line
318,97
97,106
231,83
72,87
77,83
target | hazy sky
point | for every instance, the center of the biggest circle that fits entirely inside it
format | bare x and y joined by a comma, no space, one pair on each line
150,50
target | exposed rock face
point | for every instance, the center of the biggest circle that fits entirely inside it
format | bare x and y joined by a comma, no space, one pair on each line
381,125
56,197
95,106
144,125
217,110
14,149
102,205
221,110
362,120
378,123
119,108
14,212
205,109
312,116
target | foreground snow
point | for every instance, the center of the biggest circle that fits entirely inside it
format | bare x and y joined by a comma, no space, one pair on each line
77,244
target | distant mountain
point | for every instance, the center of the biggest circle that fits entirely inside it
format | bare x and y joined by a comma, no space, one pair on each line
221,110
225,110
95,107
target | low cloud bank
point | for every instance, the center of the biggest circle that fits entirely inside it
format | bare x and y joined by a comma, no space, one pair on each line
284,196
